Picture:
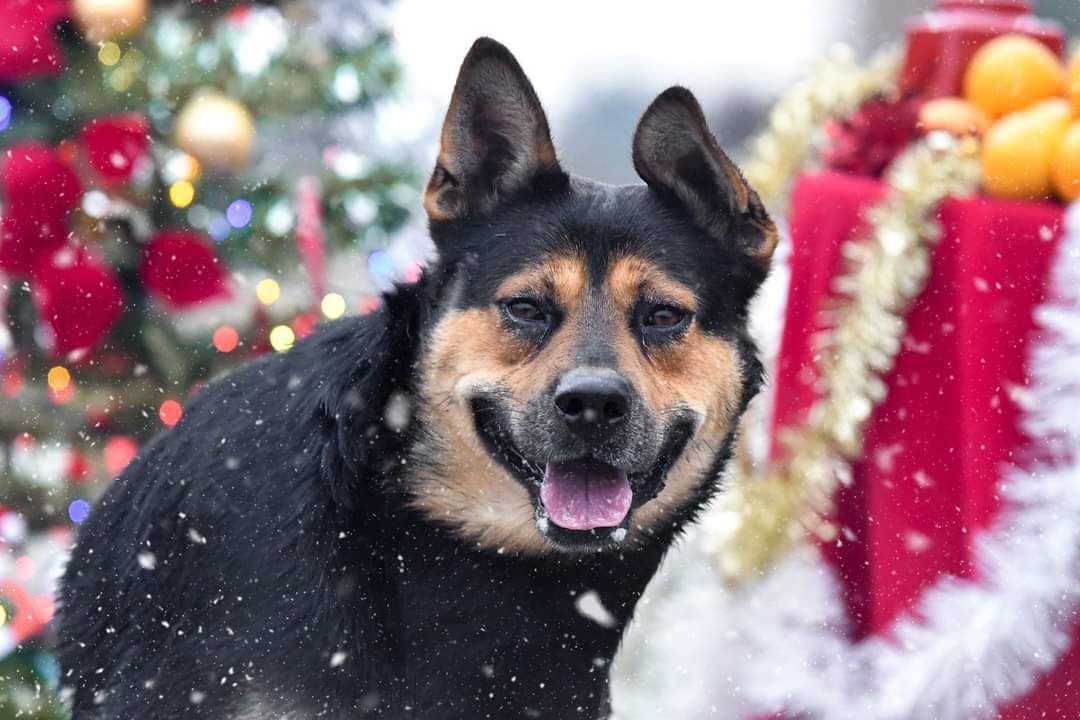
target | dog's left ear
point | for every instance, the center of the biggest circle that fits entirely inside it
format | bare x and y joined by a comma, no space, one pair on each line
495,140
675,154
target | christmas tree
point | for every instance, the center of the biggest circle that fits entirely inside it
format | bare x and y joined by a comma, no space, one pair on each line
181,186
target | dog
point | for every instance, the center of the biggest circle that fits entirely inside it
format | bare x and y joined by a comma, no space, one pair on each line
449,507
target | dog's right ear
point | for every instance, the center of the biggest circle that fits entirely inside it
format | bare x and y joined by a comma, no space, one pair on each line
495,139
677,155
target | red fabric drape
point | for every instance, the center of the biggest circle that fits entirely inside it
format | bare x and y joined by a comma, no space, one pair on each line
935,448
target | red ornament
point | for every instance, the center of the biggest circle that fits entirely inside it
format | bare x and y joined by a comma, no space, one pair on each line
181,268
116,143
78,299
34,178
28,45
25,239
870,139
40,190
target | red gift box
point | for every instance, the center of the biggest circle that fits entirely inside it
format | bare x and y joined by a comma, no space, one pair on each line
935,448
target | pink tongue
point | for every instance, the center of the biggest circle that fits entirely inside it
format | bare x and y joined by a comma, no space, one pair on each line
585,496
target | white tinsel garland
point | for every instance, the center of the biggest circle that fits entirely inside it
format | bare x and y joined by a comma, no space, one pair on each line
703,650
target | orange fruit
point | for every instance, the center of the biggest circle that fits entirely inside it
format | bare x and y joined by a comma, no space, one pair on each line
954,115
1011,73
1019,150
1065,168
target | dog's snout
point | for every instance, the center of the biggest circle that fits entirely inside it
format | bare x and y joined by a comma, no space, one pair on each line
592,401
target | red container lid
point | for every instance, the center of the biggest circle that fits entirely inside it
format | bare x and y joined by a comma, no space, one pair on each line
941,42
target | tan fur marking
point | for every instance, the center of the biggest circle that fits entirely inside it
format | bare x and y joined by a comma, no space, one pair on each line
563,277
470,491
631,277
705,374
701,372
763,255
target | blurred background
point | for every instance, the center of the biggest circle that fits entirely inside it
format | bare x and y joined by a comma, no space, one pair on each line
597,65
187,185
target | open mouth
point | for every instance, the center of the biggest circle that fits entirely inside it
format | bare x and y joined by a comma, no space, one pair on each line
583,503
585,494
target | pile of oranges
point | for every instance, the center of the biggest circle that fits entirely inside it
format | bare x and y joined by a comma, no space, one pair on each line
1024,103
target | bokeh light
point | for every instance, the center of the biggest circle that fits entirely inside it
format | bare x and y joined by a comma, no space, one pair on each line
239,213
268,291
170,413
380,264
119,451
181,166
78,511
369,305
282,338
333,306
181,193
414,272
59,378
25,567
219,228
109,54
5,113
226,339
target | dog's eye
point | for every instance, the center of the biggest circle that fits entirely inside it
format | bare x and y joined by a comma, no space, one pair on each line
525,311
664,317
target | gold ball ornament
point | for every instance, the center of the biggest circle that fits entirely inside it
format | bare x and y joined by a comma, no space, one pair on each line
1011,73
1018,151
217,130
102,20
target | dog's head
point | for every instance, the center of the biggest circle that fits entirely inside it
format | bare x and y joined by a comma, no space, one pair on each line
580,384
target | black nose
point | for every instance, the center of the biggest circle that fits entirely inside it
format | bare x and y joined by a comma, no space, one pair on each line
592,401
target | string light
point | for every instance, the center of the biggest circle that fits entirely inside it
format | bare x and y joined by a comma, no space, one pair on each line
268,291
219,228
380,264
3,615
78,511
170,413
109,54
59,378
239,213
119,451
414,272
333,306
282,338
181,193
226,339
5,113
181,166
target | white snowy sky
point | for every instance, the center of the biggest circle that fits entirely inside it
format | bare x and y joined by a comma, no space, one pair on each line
569,48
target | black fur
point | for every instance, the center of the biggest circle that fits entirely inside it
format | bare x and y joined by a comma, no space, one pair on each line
261,556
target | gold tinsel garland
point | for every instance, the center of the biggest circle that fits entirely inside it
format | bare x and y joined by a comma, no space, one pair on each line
762,514
836,85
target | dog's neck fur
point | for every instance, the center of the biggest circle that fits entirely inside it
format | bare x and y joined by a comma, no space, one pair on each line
473,634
